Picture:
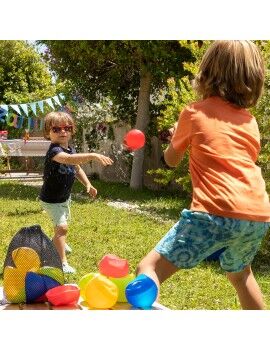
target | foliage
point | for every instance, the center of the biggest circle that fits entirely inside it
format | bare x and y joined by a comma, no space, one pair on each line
24,77
128,72
180,175
262,114
112,68
179,93
173,99
3,163
94,121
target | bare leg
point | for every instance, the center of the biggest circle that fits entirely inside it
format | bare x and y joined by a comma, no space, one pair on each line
59,241
156,267
249,293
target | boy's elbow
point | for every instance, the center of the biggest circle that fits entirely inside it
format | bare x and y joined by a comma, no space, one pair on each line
172,161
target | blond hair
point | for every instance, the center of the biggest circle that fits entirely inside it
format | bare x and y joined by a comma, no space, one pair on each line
56,119
233,70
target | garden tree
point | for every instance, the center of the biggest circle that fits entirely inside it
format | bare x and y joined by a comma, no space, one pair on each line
262,113
177,94
129,72
24,77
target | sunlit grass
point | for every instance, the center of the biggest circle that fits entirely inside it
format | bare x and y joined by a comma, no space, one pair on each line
97,229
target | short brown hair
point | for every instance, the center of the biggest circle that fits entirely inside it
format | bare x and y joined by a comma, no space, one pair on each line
233,70
55,119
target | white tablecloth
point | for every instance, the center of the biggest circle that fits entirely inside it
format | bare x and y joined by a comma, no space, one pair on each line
21,148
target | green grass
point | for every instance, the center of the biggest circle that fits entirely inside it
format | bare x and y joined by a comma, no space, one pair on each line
97,229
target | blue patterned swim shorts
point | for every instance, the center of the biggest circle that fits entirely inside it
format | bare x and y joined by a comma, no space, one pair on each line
197,235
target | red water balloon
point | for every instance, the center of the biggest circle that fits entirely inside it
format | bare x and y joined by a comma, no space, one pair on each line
66,294
113,266
134,139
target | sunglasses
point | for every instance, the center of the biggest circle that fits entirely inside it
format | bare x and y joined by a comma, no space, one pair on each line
58,129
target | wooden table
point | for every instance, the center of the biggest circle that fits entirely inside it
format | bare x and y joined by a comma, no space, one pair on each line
82,305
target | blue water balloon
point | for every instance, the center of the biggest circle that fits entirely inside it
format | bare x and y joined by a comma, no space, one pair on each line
34,286
50,282
37,285
142,292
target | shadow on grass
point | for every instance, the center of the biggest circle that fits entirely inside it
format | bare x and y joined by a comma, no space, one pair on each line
18,191
24,212
172,213
106,191
169,207
122,191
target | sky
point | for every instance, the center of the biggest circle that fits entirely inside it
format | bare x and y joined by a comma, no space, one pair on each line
140,19
38,47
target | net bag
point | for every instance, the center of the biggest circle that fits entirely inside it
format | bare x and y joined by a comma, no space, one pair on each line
32,266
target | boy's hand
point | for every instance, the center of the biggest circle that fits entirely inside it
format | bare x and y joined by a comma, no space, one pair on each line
172,131
91,190
102,159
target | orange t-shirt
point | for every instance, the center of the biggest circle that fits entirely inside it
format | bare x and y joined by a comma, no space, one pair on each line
224,145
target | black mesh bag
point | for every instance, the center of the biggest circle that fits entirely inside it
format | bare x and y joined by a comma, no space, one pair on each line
32,266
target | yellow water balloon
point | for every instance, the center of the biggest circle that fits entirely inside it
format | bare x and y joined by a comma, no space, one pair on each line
101,293
83,282
14,284
26,259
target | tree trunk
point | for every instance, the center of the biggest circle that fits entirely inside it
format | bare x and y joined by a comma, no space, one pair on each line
86,167
142,121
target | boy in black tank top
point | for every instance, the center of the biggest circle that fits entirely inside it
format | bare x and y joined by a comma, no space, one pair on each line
62,166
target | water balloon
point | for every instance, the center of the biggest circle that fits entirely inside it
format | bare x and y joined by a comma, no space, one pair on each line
101,293
66,294
142,292
84,281
134,139
113,266
121,284
26,259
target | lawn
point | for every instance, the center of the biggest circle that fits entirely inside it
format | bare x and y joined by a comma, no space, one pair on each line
98,228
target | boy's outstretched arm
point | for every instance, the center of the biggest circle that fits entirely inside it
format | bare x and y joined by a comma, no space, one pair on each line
81,158
81,176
